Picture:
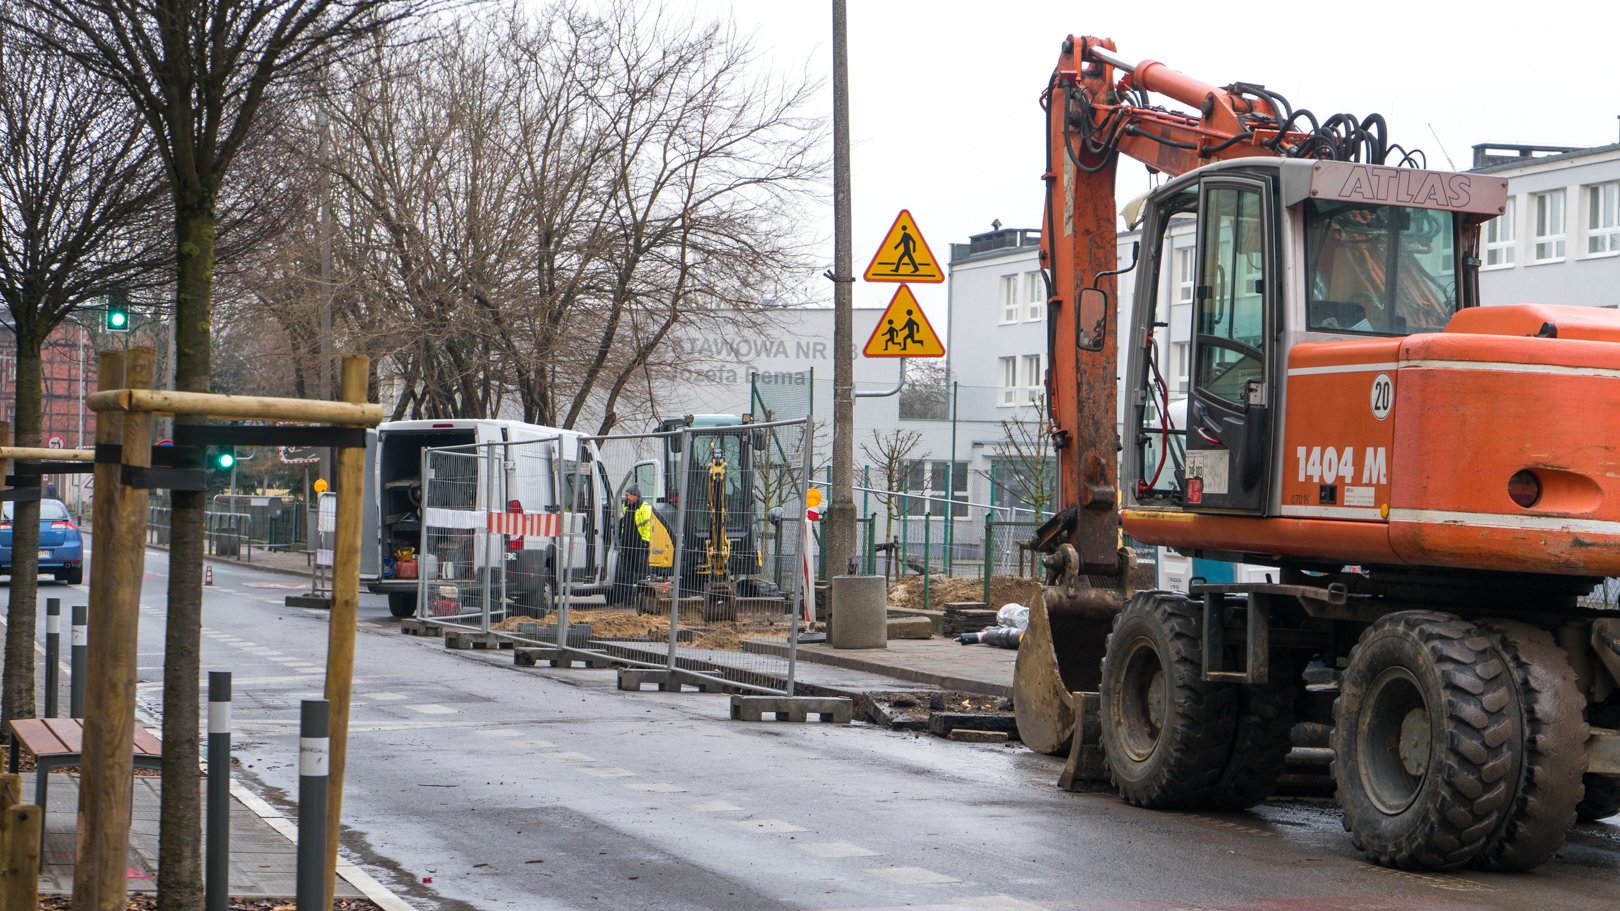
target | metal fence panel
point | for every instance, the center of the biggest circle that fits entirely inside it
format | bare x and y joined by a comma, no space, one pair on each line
452,564
715,591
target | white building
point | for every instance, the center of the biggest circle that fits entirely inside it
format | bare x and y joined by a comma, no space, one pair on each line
1558,242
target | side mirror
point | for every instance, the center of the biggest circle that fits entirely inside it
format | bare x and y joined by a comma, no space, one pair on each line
759,440
776,515
1091,325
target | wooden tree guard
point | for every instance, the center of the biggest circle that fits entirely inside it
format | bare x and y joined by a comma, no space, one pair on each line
115,594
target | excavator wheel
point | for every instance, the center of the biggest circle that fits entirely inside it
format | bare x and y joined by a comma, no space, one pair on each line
1602,797
1167,732
1552,725
1262,739
1425,741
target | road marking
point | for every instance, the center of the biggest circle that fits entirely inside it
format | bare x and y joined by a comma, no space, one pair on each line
540,744
286,659
1447,883
567,757
997,903
832,849
911,876
773,826
308,668
385,697
655,787
711,806
609,772
502,732
432,709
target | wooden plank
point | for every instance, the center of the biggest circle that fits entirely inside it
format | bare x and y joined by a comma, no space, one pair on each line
10,790
69,731
37,738
238,407
19,879
147,743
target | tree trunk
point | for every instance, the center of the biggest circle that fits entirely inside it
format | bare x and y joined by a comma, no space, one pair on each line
180,885
23,611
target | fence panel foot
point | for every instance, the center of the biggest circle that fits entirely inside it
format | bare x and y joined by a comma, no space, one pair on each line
834,709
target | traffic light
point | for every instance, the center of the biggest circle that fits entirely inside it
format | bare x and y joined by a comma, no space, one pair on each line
117,311
225,458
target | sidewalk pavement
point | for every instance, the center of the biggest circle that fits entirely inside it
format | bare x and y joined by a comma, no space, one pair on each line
940,662
263,862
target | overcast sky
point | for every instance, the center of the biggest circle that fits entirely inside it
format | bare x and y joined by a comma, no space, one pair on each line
943,94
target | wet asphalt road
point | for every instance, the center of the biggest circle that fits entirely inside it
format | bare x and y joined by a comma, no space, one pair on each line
550,789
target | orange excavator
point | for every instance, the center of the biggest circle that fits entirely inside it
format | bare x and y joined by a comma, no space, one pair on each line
1435,483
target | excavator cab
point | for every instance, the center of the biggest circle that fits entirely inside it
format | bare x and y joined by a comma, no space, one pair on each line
1244,262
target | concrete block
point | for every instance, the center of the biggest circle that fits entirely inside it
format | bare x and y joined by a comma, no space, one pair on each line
834,709
963,735
860,604
910,628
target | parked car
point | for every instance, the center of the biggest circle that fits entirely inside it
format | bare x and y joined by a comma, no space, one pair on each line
61,549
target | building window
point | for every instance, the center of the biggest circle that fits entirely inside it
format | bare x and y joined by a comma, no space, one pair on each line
1009,299
1007,369
1184,275
1603,218
1549,226
1501,238
1032,379
1035,295
930,483
1179,360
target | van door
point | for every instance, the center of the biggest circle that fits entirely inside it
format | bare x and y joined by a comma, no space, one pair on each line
1229,419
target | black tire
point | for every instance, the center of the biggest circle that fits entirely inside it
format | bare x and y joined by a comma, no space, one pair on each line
1166,732
73,576
1602,794
534,590
1261,740
1425,741
402,604
1552,724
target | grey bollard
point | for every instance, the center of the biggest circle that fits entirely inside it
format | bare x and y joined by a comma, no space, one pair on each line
860,612
76,660
53,656
314,758
218,840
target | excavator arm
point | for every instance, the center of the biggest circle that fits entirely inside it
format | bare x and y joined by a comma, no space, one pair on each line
1098,107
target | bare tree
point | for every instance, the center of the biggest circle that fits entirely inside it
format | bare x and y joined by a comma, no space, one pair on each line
926,394
1027,469
524,213
199,73
79,219
892,455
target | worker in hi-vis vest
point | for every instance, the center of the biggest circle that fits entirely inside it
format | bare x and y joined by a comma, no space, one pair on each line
635,532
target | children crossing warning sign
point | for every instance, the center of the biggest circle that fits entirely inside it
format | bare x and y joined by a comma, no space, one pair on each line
903,330
904,255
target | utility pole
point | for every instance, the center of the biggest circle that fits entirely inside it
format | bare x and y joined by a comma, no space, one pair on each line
840,540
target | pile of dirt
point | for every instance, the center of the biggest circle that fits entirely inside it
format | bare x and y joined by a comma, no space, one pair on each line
620,624
907,594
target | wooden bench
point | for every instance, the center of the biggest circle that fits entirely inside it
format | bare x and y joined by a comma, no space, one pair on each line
58,743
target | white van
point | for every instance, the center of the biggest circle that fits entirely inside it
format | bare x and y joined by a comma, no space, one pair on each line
533,564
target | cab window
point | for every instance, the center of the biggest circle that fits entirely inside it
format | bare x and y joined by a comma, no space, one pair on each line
1379,270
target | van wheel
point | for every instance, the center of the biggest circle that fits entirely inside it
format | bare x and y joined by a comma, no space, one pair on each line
402,604
534,590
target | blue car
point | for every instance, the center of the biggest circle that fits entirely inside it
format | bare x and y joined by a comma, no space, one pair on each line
61,549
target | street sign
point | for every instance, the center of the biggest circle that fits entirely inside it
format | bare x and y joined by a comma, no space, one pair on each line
56,441
904,255
300,455
903,330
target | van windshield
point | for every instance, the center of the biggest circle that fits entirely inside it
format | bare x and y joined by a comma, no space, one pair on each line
1379,270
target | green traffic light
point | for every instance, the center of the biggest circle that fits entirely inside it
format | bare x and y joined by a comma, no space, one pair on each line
225,459
116,320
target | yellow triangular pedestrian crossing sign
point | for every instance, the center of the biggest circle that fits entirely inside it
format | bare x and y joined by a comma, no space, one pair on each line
903,330
904,255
